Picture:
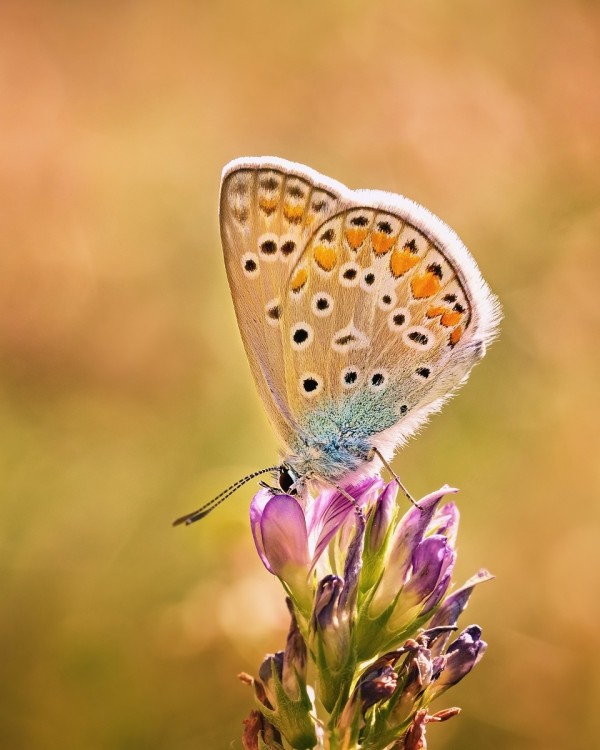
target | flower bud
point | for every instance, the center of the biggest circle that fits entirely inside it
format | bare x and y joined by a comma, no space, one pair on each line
432,564
259,734
462,655
352,568
290,716
414,677
331,643
383,515
406,538
377,537
294,657
377,686
271,665
454,605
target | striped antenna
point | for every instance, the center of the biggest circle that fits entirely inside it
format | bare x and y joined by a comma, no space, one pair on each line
205,509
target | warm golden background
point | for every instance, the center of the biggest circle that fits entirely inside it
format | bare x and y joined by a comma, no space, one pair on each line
126,399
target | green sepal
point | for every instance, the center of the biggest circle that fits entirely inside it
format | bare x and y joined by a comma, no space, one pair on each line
368,631
334,681
373,636
302,599
291,717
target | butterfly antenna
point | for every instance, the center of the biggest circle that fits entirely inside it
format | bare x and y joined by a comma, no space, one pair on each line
205,509
378,453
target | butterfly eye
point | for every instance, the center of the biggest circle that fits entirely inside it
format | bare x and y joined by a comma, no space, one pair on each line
302,336
310,384
349,274
286,480
349,377
250,265
322,304
378,380
419,337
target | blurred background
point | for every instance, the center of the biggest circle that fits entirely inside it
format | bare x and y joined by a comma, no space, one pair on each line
125,396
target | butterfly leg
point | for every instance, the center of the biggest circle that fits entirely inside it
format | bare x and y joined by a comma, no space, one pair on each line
267,486
357,509
376,452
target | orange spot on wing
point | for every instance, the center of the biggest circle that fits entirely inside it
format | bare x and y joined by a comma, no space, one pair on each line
456,336
402,261
381,242
425,285
451,318
268,205
325,257
355,237
434,311
299,280
293,213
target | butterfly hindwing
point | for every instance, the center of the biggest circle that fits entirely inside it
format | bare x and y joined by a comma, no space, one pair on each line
379,311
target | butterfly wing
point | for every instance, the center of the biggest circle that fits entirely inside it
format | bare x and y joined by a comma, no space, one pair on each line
385,311
268,210
360,311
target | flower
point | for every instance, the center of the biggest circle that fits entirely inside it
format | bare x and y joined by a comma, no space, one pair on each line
460,658
290,540
369,594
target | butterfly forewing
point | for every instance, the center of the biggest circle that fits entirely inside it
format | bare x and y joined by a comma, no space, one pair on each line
268,210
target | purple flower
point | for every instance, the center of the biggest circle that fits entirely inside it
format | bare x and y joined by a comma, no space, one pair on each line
379,596
383,515
413,555
377,686
282,541
290,540
453,606
326,608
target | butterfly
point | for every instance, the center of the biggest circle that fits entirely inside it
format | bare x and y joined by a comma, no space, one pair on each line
360,311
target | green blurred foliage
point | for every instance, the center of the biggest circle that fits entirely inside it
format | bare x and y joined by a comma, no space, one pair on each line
125,397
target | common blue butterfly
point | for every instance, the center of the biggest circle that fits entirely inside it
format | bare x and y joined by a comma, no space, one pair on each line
360,311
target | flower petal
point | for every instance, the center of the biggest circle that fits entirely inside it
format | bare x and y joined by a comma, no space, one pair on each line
332,508
432,560
411,530
283,534
382,516
257,507
462,655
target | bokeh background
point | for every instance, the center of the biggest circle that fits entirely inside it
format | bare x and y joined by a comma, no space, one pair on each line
125,396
